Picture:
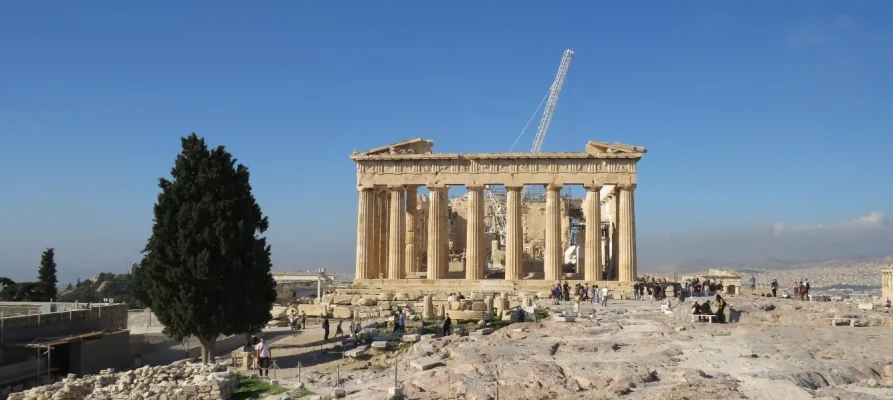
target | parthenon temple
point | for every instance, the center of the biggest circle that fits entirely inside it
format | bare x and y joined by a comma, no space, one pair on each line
410,231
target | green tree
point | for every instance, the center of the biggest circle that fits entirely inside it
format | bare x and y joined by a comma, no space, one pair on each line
46,275
206,269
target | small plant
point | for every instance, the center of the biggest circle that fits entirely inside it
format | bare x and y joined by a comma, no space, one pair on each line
255,388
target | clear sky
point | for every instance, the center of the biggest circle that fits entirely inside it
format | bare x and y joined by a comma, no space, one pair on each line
753,113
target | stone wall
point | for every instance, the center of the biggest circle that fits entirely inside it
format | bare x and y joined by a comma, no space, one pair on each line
181,381
24,328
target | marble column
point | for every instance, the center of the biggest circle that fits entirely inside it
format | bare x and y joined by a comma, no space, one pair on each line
365,224
552,259
382,222
445,231
435,233
514,230
626,232
396,241
474,241
593,246
412,256
372,273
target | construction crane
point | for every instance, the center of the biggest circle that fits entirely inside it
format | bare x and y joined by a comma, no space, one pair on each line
553,94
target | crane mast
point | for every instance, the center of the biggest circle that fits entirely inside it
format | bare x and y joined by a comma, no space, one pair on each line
548,111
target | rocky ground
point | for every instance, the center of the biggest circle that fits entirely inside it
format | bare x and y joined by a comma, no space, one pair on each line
774,348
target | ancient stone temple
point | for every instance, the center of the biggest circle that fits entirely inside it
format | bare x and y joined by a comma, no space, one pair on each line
390,179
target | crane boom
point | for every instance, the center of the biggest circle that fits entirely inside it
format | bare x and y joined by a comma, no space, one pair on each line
548,111
554,93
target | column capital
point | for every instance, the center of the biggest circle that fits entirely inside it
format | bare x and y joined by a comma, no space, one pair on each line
474,187
363,187
436,186
395,187
554,186
626,186
593,188
514,188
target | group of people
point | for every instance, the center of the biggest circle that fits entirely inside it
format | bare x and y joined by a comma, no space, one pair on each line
293,321
699,288
581,292
400,321
653,290
704,309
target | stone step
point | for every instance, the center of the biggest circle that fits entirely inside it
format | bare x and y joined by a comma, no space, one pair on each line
425,363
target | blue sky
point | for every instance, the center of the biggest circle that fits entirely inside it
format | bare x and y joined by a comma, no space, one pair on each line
753,113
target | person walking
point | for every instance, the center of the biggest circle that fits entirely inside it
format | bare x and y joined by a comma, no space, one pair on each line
605,296
262,354
338,330
596,293
303,320
446,326
774,287
325,328
402,321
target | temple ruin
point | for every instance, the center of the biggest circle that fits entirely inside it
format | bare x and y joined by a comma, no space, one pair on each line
404,236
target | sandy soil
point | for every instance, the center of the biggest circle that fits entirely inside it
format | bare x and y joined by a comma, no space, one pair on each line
773,349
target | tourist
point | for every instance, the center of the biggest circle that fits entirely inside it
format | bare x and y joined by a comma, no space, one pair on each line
325,327
636,290
641,291
447,325
774,287
806,289
595,293
338,331
695,308
303,320
460,297
705,310
796,290
402,321
358,328
605,296
263,356
720,309
801,289
753,284
666,306
566,291
887,304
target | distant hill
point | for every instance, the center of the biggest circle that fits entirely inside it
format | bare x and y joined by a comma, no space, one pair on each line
769,264
118,287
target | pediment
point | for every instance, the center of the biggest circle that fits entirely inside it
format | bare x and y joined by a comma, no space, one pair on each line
411,146
596,148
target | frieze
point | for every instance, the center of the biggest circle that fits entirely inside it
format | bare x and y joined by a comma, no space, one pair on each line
465,166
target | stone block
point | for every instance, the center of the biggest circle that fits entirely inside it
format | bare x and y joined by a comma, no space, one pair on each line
455,306
381,344
385,297
357,352
366,301
479,306
412,337
395,391
342,312
564,318
342,300
313,310
348,342
424,363
866,306
338,392
481,332
428,336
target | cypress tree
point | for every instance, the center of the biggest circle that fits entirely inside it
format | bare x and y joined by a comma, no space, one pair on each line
206,270
46,276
